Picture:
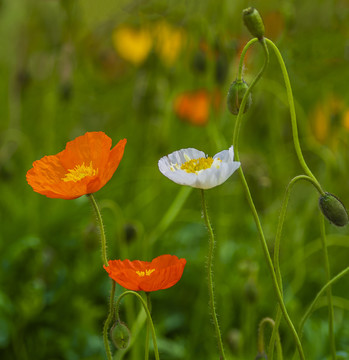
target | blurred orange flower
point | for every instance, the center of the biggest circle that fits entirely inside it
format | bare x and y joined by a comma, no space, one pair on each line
193,107
161,273
86,165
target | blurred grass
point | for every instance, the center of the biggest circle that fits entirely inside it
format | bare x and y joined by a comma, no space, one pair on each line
61,76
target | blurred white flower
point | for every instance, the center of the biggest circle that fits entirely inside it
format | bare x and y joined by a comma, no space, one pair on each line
193,168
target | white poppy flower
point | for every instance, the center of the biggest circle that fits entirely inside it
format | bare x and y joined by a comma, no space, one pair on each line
193,168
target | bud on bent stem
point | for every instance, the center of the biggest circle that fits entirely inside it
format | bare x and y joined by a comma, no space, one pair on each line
120,335
333,209
235,95
253,22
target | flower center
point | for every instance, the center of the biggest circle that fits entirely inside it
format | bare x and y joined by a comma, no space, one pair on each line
195,165
79,172
146,273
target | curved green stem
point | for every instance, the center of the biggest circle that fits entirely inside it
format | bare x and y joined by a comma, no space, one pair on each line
329,289
210,276
244,100
101,228
277,251
319,294
260,346
253,208
270,265
150,321
242,56
293,114
108,321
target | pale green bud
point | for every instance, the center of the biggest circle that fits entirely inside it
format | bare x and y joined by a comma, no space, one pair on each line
253,22
235,95
120,335
333,209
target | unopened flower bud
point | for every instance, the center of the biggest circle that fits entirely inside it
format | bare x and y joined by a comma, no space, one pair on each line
120,335
253,22
333,209
235,95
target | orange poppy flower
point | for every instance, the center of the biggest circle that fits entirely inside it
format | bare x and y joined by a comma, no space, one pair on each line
86,165
161,273
193,107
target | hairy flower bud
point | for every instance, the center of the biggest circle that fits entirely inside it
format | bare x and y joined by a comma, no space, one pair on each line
235,95
333,209
120,335
253,22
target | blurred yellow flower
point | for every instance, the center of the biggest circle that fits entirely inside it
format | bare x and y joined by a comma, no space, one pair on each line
169,41
132,44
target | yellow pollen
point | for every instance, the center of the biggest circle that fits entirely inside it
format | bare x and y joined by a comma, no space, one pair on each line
79,172
195,165
146,273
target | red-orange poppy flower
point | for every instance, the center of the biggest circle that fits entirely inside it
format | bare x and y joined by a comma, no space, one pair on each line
86,165
161,273
193,107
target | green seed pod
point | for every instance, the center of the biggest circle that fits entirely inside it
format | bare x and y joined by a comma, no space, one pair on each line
120,335
235,95
253,22
333,209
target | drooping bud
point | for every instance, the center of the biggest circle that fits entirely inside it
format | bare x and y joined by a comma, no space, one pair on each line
253,22
120,335
235,95
333,209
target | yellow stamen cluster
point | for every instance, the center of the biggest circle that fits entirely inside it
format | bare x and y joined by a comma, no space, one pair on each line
195,165
146,273
79,172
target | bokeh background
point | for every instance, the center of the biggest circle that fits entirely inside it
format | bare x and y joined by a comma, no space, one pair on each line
157,72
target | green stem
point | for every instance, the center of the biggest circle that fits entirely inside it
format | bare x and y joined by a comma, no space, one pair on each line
270,265
329,289
319,294
253,208
260,345
108,321
145,307
242,56
146,356
293,114
244,99
101,228
210,276
277,251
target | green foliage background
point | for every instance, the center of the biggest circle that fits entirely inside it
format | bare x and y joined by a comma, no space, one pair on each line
62,77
